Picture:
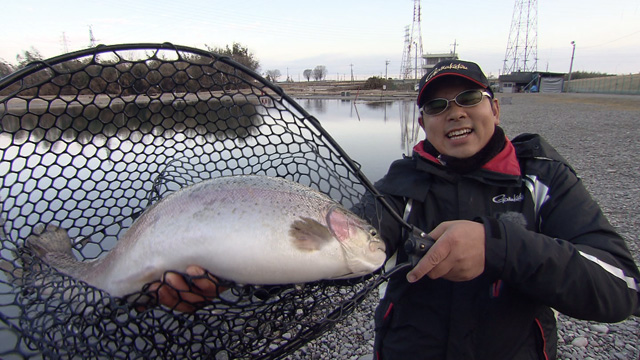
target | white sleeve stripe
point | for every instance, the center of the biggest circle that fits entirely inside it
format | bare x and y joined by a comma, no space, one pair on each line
631,282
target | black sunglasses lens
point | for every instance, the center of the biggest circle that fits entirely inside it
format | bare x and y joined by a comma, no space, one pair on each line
435,106
469,98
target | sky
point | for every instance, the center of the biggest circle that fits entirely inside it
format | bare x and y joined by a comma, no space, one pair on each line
344,36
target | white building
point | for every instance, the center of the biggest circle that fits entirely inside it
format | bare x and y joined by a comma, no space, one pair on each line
431,59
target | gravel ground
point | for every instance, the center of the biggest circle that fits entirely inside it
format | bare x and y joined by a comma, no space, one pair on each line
597,134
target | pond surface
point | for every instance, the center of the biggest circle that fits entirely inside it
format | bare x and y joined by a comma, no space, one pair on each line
373,133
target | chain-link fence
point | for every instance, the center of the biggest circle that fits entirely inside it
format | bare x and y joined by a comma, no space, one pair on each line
90,139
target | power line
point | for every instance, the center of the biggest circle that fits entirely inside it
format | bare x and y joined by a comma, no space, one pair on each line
611,41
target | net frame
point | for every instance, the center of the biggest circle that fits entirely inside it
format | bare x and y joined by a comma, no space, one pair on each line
90,139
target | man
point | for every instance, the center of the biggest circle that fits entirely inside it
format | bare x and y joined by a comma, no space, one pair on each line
516,235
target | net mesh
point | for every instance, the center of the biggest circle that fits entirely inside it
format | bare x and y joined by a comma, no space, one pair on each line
88,140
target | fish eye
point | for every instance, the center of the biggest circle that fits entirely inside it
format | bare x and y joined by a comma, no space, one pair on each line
373,232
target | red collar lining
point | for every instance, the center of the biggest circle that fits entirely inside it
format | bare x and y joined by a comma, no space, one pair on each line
505,162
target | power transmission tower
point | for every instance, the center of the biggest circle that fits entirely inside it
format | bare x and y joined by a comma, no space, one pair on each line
522,47
65,43
405,65
92,39
411,67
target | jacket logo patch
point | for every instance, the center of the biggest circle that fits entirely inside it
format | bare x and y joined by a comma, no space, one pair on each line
502,199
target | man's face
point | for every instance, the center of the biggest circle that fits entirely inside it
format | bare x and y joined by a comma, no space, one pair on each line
460,131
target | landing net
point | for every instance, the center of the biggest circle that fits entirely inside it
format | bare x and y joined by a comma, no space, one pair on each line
90,139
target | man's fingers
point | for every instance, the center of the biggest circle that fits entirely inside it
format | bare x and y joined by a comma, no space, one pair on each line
432,258
439,230
170,297
457,255
184,294
205,283
438,252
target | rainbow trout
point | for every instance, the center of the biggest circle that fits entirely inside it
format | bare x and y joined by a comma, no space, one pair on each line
248,229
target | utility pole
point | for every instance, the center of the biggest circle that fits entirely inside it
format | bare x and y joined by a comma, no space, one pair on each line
455,43
386,65
351,72
573,52
416,61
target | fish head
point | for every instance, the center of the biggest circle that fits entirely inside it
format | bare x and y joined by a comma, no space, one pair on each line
363,248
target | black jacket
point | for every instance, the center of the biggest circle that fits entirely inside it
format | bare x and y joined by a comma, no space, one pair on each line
560,253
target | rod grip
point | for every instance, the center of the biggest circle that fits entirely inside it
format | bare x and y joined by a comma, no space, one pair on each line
417,245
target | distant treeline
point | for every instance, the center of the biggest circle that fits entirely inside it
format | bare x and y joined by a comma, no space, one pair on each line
237,52
102,74
122,78
586,75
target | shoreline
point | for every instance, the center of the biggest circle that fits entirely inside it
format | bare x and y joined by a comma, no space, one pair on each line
620,101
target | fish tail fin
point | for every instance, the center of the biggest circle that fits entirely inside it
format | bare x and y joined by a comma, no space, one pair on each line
53,240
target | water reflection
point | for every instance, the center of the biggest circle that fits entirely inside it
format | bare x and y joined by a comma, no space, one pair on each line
87,171
373,133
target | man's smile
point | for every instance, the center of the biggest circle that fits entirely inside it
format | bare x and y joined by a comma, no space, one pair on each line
459,133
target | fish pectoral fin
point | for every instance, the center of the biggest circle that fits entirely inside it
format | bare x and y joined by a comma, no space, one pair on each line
309,235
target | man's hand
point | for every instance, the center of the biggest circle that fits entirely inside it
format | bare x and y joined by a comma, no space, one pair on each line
174,290
457,255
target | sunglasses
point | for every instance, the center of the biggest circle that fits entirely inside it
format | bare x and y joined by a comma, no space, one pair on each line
467,98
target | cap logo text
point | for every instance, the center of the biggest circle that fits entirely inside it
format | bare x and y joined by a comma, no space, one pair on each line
451,66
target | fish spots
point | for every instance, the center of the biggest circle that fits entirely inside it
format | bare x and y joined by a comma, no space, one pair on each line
309,235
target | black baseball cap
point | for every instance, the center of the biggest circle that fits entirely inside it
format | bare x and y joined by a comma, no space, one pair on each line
465,69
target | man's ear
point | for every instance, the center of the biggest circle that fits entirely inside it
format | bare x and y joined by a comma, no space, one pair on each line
495,108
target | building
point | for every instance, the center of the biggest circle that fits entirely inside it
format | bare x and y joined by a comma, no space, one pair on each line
531,82
430,60
516,82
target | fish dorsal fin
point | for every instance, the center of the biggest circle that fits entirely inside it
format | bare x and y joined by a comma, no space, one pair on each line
309,235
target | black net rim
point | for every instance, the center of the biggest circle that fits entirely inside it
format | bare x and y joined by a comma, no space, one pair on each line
32,323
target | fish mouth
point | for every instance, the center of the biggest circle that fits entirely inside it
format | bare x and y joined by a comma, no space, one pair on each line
459,133
377,245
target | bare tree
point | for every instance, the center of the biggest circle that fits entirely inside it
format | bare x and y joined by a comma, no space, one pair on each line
239,53
28,56
319,72
273,75
307,74
5,68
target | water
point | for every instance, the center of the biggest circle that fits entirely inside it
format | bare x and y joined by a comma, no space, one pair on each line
373,133
80,183
70,179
